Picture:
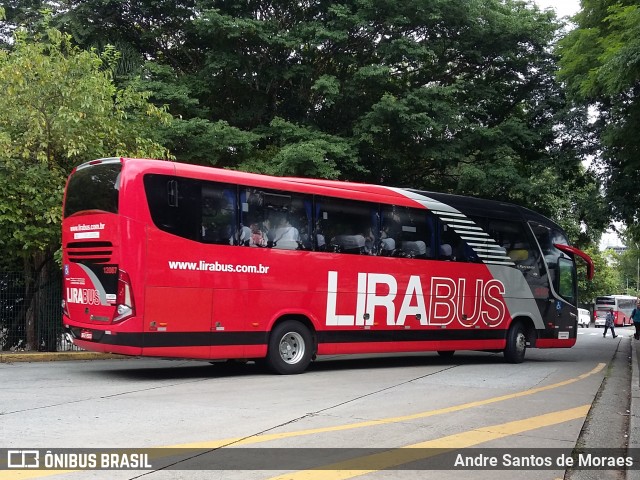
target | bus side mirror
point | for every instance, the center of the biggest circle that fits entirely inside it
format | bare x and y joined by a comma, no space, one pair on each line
581,254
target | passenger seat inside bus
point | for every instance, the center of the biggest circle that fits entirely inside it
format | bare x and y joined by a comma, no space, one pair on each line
519,253
414,249
350,243
445,251
286,245
387,247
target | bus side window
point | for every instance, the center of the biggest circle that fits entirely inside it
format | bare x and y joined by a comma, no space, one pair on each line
253,215
275,219
451,246
470,250
304,221
454,248
519,247
174,204
347,226
406,232
555,267
218,220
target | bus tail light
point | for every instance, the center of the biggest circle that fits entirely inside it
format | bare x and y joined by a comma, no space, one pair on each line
125,306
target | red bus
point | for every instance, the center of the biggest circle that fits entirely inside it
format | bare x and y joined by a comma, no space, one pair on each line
622,306
173,260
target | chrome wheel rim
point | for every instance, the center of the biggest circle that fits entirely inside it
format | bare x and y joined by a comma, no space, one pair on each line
521,342
291,347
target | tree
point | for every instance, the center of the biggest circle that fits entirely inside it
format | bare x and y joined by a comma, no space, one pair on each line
14,13
600,64
605,282
59,109
629,266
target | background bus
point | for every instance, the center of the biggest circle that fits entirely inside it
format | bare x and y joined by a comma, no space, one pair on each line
622,306
173,260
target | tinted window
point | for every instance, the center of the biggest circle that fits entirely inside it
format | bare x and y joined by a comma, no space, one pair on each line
515,242
605,301
557,262
347,226
218,218
94,188
275,219
407,232
194,209
451,246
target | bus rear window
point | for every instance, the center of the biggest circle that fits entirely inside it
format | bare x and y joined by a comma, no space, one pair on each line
605,301
94,188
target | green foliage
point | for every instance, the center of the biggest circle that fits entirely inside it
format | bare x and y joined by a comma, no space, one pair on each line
302,151
60,108
600,64
629,266
203,142
605,282
408,93
600,58
30,209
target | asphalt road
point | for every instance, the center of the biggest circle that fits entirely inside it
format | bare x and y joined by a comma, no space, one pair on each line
238,422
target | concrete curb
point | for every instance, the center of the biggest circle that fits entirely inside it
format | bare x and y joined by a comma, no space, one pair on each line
634,414
12,357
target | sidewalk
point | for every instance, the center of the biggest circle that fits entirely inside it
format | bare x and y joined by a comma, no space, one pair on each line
11,357
634,417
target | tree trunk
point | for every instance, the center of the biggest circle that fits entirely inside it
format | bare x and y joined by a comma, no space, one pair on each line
30,313
35,274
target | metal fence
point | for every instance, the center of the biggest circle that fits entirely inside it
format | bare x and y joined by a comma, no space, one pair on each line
45,310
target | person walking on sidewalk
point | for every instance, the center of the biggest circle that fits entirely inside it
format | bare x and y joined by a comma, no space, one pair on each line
635,316
608,323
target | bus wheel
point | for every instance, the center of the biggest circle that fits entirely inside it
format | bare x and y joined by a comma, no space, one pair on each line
516,344
446,353
290,348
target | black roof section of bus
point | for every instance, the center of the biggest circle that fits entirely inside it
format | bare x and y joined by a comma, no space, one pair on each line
482,207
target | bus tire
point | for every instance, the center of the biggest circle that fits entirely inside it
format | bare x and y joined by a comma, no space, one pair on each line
290,348
516,343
